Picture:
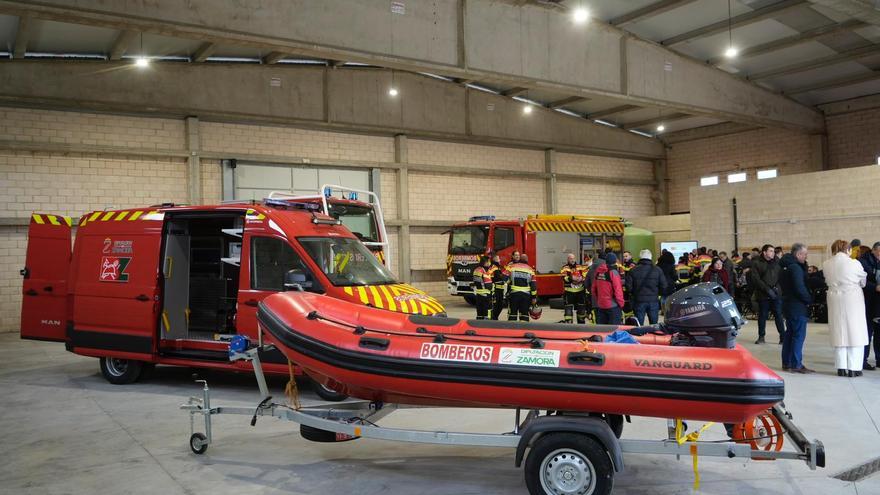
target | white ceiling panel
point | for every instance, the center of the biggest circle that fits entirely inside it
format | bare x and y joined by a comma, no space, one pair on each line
681,20
781,58
816,76
749,35
59,37
838,94
609,9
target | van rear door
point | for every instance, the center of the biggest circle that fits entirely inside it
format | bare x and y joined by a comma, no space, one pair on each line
44,300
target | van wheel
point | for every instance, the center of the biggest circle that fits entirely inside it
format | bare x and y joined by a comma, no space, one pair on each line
328,393
121,371
568,463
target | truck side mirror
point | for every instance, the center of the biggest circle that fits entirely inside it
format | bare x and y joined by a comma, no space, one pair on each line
296,280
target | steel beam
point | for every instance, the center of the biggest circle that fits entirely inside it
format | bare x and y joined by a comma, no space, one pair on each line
705,132
566,101
837,58
426,39
25,24
835,83
206,50
649,122
738,21
797,39
611,111
514,91
274,58
648,11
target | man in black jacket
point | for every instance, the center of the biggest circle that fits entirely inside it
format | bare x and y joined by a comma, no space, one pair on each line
795,302
645,282
871,263
764,279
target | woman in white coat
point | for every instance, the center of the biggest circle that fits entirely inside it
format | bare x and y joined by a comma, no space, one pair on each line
846,309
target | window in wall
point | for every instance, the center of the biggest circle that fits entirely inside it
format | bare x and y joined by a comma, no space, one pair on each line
736,177
709,181
767,174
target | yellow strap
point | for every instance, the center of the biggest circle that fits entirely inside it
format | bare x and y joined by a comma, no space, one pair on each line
692,437
291,391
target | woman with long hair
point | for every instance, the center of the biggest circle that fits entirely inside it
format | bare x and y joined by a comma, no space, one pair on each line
845,278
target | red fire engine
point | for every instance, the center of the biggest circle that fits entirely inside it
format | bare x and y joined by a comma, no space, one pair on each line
546,239
168,284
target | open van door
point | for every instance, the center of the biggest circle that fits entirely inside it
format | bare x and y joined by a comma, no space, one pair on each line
44,291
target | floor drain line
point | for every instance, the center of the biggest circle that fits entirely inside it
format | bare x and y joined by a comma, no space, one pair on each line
860,472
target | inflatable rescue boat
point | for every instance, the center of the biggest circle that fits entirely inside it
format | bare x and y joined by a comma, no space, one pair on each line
687,367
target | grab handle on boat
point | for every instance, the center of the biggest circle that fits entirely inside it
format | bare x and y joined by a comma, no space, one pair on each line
374,343
589,358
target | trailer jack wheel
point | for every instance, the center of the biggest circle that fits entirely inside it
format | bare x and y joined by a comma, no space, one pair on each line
198,442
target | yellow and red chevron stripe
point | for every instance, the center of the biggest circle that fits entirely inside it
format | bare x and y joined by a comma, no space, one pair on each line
574,226
402,298
44,219
120,215
380,255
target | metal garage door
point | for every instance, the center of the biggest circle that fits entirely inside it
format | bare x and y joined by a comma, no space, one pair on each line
257,180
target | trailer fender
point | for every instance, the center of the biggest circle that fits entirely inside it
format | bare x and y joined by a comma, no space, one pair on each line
594,427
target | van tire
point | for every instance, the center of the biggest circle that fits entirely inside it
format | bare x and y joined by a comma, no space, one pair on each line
121,371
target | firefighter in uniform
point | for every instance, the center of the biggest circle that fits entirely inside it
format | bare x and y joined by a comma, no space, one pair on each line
483,288
626,263
573,275
683,272
499,283
523,289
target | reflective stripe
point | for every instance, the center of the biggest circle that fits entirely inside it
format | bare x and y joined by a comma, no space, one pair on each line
363,294
38,219
121,216
95,216
107,216
377,298
135,215
53,220
391,304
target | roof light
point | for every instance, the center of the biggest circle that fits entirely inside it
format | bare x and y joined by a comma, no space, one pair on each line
709,181
661,128
527,109
392,92
770,173
142,62
736,177
581,15
731,52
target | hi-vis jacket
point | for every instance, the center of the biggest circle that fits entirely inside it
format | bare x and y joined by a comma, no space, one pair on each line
498,278
521,278
573,277
482,281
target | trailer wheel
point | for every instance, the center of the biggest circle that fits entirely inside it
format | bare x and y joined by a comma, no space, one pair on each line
121,371
328,393
198,443
470,299
570,464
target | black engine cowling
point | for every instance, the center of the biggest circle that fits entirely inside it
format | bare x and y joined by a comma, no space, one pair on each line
702,315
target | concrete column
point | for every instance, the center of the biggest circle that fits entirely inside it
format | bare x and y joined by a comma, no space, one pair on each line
819,152
551,196
660,194
401,155
193,164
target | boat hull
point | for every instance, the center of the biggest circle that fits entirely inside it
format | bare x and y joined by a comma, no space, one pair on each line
383,356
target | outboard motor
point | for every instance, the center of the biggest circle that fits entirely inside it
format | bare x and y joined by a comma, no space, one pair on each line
702,315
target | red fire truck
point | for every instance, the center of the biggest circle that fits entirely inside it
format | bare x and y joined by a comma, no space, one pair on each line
363,218
546,239
169,284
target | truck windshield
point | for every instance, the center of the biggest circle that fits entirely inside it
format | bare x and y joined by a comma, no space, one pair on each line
346,261
361,220
469,240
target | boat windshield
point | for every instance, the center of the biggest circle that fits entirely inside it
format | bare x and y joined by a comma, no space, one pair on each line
469,240
346,261
361,220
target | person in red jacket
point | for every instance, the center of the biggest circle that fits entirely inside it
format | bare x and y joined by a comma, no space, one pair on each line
716,273
608,291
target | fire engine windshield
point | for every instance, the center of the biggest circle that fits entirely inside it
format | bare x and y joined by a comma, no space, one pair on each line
346,261
361,220
469,240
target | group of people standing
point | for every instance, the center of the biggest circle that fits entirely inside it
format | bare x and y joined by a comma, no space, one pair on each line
515,283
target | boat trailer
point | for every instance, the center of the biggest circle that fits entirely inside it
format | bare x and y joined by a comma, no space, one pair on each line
567,453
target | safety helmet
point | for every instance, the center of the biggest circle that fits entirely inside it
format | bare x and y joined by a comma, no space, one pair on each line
535,312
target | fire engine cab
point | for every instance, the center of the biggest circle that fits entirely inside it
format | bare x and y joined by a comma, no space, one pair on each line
170,284
546,239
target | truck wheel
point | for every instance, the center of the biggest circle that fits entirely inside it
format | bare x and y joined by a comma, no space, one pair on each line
568,463
470,299
121,371
328,393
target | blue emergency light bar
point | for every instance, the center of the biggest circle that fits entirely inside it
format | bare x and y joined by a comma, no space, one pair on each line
293,204
482,218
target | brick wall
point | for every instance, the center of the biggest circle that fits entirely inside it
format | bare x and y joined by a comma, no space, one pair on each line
788,151
809,208
853,138
473,155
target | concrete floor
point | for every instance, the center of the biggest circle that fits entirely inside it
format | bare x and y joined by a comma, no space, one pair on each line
66,430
